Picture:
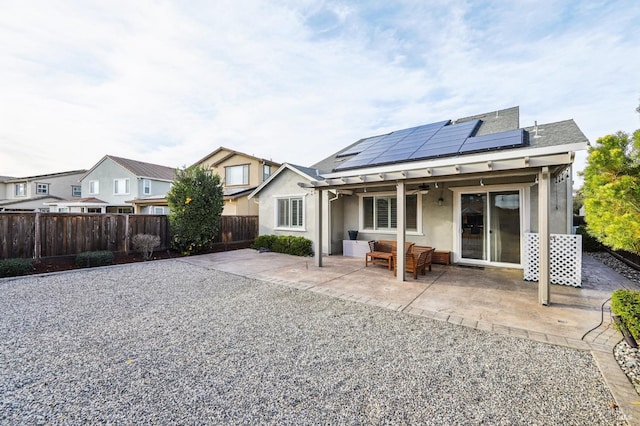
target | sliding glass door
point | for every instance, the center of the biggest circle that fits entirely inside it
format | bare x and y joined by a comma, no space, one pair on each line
491,227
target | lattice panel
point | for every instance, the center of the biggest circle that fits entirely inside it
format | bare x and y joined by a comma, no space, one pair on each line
565,259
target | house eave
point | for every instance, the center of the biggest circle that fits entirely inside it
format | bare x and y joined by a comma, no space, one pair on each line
454,168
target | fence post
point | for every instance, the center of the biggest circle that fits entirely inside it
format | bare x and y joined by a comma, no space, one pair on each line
126,234
37,241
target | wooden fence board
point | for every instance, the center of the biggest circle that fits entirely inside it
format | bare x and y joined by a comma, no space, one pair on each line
60,234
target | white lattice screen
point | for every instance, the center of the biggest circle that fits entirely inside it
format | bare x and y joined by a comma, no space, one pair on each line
565,259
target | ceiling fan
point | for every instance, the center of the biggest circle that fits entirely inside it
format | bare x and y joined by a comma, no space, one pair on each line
423,188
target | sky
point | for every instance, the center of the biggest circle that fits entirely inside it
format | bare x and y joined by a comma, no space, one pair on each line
168,82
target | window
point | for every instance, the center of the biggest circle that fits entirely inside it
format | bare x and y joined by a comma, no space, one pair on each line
158,210
94,187
266,172
21,189
94,209
63,210
76,191
290,212
146,187
380,213
120,186
42,188
237,175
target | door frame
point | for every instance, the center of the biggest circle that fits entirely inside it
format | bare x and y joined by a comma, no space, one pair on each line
524,190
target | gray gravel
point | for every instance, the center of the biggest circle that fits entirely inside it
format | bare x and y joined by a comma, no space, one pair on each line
165,342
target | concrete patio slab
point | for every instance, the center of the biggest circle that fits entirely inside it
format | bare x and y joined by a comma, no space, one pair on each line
490,299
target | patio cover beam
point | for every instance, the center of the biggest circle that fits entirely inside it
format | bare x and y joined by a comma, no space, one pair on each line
317,195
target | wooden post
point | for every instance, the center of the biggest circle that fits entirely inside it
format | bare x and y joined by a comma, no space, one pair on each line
400,230
317,197
544,188
37,240
126,234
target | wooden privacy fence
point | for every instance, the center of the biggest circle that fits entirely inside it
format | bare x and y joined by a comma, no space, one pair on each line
36,235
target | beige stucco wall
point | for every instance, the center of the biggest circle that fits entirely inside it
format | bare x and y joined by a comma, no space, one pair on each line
285,185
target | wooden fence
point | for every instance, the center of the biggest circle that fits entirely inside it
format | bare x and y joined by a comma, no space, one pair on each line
36,235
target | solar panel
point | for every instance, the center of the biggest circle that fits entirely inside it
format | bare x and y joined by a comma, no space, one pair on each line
429,141
364,144
512,138
447,141
395,146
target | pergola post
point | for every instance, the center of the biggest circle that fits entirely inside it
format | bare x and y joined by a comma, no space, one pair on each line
317,198
400,229
544,192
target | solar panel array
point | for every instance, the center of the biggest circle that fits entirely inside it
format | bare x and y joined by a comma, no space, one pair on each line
439,139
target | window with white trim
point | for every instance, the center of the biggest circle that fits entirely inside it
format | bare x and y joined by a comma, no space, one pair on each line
94,187
379,212
42,188
290,212
120,186
146,186
236,175
158,210
76,191
21,189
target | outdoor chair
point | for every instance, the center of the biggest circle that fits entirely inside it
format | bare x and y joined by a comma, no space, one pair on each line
417,259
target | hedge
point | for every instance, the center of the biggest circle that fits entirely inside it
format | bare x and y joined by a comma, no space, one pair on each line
15,267
626,305
90,259
297,246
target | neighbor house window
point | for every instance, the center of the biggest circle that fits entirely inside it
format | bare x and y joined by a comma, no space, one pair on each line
120,186
146,187
94,210
237,175
379,213
266,172
158,210
42,188
76,191
94,187
63,210
290,212
21,189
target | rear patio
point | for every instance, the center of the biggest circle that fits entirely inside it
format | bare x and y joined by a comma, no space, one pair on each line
491,299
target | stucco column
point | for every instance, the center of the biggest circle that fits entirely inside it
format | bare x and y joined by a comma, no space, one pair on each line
317,226
400,230
544,192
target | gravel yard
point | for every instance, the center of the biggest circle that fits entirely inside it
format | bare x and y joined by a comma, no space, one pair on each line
167,342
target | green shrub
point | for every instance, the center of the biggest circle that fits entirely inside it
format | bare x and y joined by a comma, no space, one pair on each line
144,244
297,246
15,267
90,259
589,243
626,305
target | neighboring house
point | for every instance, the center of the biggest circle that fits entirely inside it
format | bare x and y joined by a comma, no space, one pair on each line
473,187
241,174
33,193
121,185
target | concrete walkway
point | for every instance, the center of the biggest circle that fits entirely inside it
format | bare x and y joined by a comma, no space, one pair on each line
495,300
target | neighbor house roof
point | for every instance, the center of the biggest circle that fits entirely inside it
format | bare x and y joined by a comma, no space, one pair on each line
27,200
232,153
40,177
140,168
308,173
81,202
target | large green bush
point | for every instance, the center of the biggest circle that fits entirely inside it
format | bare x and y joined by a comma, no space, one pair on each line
297,246
15,267
89,259
626,305
196,202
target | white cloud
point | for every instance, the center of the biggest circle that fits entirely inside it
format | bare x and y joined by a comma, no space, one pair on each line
168,83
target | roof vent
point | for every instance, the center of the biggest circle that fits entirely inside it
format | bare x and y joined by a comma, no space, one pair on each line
535,129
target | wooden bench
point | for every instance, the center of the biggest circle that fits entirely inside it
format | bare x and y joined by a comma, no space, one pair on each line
380,253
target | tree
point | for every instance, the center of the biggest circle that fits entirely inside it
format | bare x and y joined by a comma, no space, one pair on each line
612,191
196,202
